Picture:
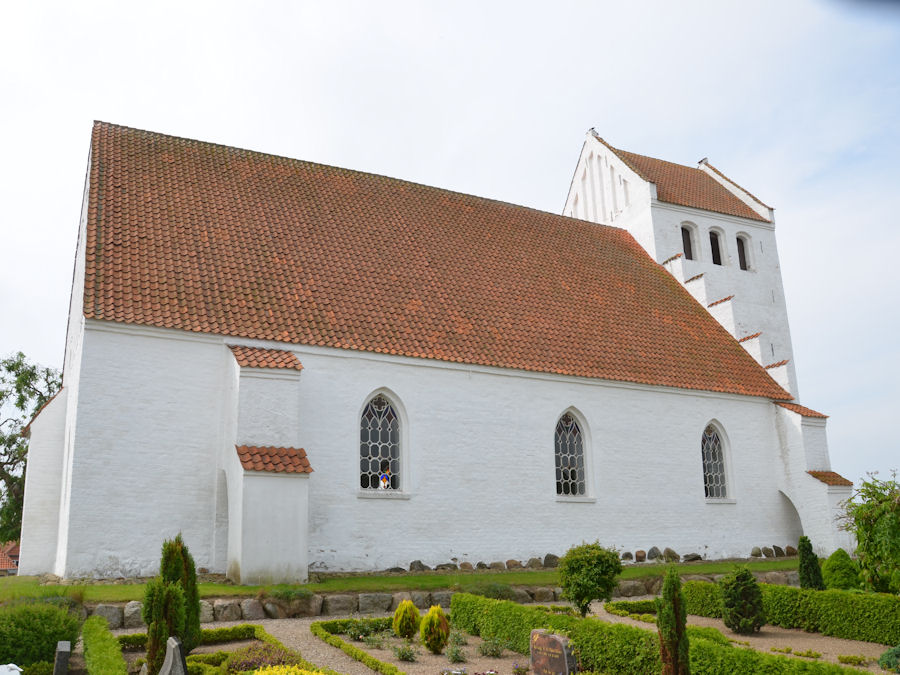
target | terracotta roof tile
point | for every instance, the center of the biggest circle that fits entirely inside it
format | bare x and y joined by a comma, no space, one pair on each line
801,410
777,364
7,563
694,278
750,337
720,301
830,478
202,237
686,186
254,357
276,460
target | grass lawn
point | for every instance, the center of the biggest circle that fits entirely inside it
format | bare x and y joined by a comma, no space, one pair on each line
13,587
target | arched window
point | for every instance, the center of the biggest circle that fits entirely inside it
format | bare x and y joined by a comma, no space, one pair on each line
379,446
687,242
716,249
570,473
742,247
713,451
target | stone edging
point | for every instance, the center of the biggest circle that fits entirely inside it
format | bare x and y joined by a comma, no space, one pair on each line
342,604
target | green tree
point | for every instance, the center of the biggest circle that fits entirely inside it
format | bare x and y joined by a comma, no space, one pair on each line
177,566
873,515
810,572
24,388
587,573
742,603
163,612
671,622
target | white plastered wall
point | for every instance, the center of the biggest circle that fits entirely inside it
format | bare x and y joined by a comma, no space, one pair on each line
43,482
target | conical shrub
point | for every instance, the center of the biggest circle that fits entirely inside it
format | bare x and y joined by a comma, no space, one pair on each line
163,612
840,571
810,572
406,619
177,565
435,630
671,621
742,603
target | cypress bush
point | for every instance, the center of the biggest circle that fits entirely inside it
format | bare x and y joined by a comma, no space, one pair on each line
163,612
435,629
177,565
671,621
840,571
742,602
588,572
810,572
406,620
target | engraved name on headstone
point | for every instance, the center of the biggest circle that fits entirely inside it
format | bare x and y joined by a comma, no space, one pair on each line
551,654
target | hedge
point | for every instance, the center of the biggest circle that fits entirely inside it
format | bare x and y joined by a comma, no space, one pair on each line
324,630
615,648
102,651
870,617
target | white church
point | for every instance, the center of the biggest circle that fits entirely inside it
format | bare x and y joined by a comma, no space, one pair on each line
302,367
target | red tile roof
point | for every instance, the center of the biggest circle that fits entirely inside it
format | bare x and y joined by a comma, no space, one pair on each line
778,364
830,478
276,460
686,186
7,563
254,357
750,337
801,410
721,300
202,237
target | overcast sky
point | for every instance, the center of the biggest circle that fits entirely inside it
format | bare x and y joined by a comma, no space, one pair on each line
797,101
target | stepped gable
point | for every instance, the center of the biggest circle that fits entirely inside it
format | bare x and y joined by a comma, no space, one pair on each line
201,237
686,185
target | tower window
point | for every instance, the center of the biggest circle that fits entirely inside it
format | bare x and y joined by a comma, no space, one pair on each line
742,253
714,245
686,243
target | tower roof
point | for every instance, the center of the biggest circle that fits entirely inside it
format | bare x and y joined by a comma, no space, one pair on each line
687,186
201,237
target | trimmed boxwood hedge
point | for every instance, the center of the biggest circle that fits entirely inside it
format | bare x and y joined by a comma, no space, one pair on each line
102,652
615,648
871,617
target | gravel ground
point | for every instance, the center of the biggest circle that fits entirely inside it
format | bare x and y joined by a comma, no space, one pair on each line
295,634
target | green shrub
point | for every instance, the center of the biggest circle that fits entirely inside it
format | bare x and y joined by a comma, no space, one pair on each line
671,620
840,571
458,638
588,572
742,603
455,654
163,612
854,660
492,647
406,619
177,565
702,598
405,652
435,630
626,607
874,517
324,631
102,652
890,660
29,632
810,572
870,617
38,668
707,633
257,656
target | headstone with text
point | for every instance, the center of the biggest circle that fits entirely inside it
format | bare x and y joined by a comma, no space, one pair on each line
551,654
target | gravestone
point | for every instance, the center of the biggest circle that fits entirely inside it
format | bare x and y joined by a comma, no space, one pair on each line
174,663
61,659
551,654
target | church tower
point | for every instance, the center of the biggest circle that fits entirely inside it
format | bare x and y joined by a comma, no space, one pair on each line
713,236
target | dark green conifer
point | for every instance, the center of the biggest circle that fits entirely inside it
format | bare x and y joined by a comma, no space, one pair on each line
177,565
671,621
810,572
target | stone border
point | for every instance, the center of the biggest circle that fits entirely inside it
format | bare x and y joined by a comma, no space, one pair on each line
343,604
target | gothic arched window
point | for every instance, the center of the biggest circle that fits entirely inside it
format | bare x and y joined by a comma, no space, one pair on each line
713,451
743,260
379,446
716,248
687,242
570,473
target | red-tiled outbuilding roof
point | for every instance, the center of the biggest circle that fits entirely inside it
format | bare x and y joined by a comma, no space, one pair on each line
687,186
276,460
830,478
801,410
255,357
201,237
